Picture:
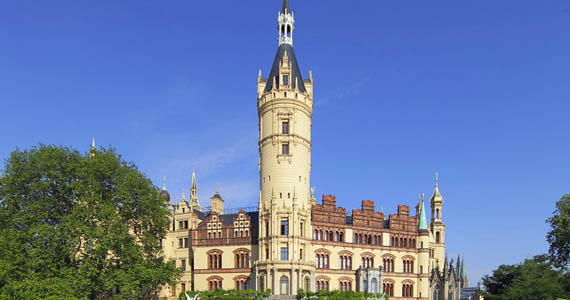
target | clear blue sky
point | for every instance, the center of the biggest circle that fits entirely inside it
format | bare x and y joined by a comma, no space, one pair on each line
478,90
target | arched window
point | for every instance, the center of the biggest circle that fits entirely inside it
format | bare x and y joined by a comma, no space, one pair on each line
373,285
307,283
340,237
437,236
437,213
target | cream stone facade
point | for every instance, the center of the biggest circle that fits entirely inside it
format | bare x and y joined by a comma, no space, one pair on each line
289,241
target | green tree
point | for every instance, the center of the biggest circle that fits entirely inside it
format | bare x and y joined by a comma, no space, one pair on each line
85,226
533,279
559,235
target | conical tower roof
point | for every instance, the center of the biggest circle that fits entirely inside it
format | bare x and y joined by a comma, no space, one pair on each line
295,78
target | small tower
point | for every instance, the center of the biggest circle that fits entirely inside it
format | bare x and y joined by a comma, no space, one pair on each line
194,204
217,202
163,191
437,227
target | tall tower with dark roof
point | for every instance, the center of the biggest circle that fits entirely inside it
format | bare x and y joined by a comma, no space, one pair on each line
285,108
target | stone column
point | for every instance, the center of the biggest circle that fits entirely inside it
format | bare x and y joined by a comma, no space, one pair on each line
299,281
255,280
292,282
312,281
274,290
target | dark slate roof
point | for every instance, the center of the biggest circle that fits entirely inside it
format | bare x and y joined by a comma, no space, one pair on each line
295,72
286,9
349,220
201,215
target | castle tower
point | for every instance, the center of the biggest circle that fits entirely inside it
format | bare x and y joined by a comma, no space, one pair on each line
285,106
194,204
437,227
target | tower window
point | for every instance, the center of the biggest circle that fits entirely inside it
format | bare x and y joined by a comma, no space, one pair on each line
285,149
289,195
284,253
285,227
285,80
285,127
437,237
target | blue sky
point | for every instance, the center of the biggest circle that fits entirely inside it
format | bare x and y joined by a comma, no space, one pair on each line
478,90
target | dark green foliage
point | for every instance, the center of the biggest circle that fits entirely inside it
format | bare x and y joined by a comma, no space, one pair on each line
76,226
559,235
534,279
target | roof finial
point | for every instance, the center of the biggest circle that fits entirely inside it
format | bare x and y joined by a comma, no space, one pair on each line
218,187
93,143
164,183
436,179
183,195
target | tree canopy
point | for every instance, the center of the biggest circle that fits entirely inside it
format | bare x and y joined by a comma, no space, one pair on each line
80,226
544,276
559,235
533,279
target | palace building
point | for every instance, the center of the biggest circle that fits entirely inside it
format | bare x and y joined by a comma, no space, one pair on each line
289,241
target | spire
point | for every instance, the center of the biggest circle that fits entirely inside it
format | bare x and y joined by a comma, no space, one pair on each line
462,272
93,143
183,195
458,263
286,9
164,183
194,204
194,186
217,187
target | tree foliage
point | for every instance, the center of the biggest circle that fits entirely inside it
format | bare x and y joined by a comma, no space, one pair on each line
79,226
559,235
534,279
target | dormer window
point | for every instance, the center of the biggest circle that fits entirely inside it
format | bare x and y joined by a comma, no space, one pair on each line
285,79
